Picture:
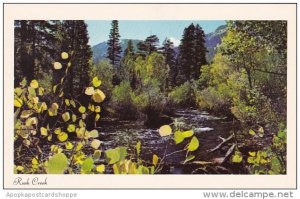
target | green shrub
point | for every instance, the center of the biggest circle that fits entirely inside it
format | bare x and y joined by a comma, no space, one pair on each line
213,100
122,101
183,95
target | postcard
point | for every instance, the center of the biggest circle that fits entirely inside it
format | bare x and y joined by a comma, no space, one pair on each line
149,96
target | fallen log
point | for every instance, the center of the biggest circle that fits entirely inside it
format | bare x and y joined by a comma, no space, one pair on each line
227,155
221,144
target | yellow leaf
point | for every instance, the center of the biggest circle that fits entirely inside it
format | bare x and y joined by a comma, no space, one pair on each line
155,159
94,133
34,84
20,168
71,128
252,153
82,109
80,132
54,88
96,82
89,91
97,117
26,113
57,131
62,136
97,109
165,130
79,146
74,117
98,96
251,132
69,145
67,102
64,55
194,144
100,168
95,143
34,161
44,131
18,102
35,100
66,116
57,65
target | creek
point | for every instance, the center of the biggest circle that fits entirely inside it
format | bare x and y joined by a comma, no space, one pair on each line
208,128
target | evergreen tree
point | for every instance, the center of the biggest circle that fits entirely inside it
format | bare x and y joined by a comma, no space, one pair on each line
129,51
75,43
170,60
200,52
35,44
192,53
114,48
127,65
149,45
186,52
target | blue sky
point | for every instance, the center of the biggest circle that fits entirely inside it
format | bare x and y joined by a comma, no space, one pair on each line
140,29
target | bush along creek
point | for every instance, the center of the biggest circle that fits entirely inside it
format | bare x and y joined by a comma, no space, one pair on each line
150,109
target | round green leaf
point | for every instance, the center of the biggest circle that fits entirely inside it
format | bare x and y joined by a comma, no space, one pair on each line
94,133
87,165
58,164
194,144
82,109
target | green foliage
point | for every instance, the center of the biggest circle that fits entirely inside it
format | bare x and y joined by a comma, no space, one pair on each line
183,95
105,72
179,136
38,122
122,101
194,144
116,155
192,54
114,48
237,157
57,164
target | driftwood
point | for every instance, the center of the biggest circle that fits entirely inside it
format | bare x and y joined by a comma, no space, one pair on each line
227,155
219,146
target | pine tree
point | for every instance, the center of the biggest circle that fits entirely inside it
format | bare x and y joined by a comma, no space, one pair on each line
186,54
148,46
127,65
114,48
75,43
170,60
200,52
129,51
35,44
192,54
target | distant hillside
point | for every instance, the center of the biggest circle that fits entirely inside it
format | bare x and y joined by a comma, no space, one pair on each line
99,50
211,39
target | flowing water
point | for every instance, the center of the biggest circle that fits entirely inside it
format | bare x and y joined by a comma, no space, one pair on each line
207,128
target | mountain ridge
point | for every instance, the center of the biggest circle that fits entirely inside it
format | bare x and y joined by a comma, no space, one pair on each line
212,40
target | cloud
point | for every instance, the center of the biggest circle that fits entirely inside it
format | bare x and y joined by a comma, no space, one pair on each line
175,41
